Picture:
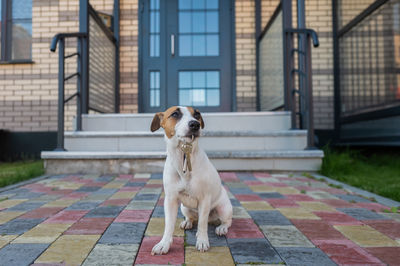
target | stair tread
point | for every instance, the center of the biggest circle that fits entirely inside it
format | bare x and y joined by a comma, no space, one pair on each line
221,114
162,154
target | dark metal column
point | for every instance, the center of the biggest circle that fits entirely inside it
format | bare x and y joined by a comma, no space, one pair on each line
302,44
117,43
84,52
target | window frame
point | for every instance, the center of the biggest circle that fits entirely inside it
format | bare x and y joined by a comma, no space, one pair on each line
6,37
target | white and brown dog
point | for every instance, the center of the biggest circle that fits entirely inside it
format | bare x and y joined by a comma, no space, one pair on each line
189,179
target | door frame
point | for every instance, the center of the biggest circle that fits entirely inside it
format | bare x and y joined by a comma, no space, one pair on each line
141,96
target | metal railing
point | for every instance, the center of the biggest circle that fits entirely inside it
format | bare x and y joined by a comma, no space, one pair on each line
97,78
303,114
60,39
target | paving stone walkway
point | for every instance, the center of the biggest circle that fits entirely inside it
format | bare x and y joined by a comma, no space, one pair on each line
116,220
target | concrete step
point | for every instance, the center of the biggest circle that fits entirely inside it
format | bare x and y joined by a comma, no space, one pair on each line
240,121
129,162
211,141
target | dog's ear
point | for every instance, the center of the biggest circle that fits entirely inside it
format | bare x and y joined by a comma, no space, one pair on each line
156,123
200,118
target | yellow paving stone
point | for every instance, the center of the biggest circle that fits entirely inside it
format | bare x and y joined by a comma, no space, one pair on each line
142,175
65,185
156,227
256,205
315,206
8,216
298,213
4,240
114,184
124,195
155,181
287,190
213,256
69,249
10,203
366,236
263,188
43,233
60,203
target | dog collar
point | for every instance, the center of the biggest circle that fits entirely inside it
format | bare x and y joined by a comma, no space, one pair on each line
187,149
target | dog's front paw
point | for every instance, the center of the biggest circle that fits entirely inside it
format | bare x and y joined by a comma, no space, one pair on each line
202,244
221,230
161,248
186,224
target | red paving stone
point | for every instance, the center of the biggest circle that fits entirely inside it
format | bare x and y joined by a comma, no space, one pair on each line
229,177
346,252
138,216
89,226
175,255
372,206
116,202
260,174
42,213
130,189
244,228
248,197
153,185
389,255
125,176
334,191
338,203
96,184
317,230
66,217
281,203
253,183
276,184
77,195
139,180
387,227
337,218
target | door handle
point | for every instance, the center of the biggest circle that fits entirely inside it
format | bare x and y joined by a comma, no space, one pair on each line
172,44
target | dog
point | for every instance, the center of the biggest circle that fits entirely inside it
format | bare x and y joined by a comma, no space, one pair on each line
190,179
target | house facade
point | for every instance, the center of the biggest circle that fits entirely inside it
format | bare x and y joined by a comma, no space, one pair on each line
218,55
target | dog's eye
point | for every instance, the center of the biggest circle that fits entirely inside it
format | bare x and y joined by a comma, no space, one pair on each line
175,114
196,115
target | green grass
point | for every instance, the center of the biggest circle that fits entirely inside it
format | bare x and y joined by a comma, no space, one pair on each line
11,173
375,171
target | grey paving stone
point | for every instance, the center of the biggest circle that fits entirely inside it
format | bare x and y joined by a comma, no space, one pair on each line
18,226
47,198
123,233
105,255
105,211
241,190
87,189
105,178
253,251
271,195
156,176
246,176
285,236
393,216
20,254
269,218
235,202
236,185
352,198
321,195
84,205
159,212
135,184
27,206
215,240
305,256
141,205
105,191
151,190
240,212
362,214
27,195
145,196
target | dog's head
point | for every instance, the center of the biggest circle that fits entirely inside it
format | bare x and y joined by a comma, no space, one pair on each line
179,122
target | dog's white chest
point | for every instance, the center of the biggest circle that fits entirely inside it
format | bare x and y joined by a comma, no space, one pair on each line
188,201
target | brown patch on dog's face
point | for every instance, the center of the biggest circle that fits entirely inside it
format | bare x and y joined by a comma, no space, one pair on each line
196,115
167,120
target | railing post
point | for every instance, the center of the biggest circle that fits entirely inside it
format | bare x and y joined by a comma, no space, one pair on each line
61,76
309,97
302,46
79,88
116,36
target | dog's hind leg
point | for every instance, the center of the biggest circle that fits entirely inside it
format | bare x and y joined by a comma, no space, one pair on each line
190,217
225,212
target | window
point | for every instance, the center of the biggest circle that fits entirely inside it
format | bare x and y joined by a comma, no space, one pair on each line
16,30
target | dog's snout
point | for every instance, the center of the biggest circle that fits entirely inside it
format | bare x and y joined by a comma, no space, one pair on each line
194,125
